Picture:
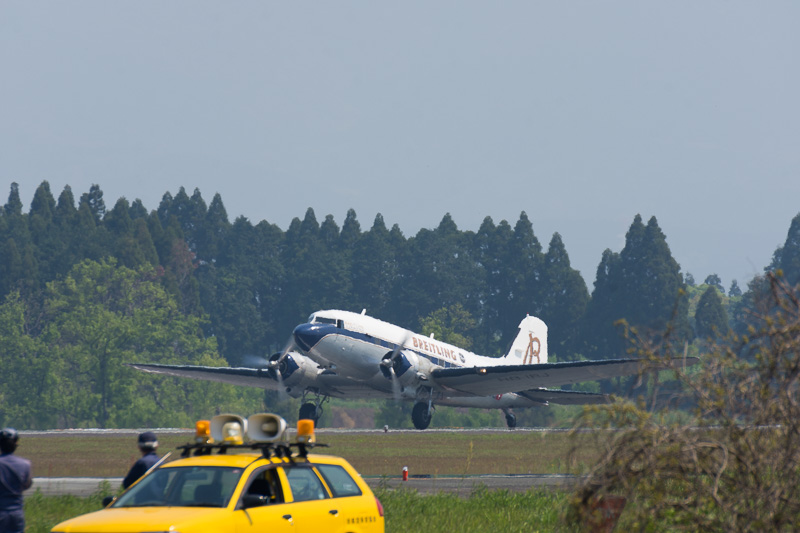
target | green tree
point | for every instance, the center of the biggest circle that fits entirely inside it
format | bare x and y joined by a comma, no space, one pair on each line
242,291
375,270
437,271
65,222
395,414
526,261
316,275
19,265
129,242
715,281
94,201
643,285
506,280
600,337
137,210
102,316
351,231
214,231
453,325
13,206
734,290
25,381
790,253
711,320
491,245
563,300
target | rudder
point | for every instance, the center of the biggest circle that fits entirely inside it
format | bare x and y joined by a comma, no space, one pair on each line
530,346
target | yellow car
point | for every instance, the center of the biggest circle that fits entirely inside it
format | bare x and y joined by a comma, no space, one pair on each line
269,488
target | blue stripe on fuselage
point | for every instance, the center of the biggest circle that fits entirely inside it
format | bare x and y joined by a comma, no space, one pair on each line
307,336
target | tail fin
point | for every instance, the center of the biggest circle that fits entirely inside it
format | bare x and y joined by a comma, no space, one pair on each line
530,346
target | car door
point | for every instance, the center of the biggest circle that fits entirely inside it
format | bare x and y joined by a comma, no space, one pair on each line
312,508
357,510
273,515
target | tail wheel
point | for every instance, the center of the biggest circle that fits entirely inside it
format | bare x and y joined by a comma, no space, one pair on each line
421,415
309,411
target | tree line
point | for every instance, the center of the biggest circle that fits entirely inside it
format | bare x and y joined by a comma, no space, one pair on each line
231,292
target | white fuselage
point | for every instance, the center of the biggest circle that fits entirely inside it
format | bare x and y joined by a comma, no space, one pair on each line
354,344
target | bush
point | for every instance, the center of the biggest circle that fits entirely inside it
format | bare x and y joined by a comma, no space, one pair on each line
733,465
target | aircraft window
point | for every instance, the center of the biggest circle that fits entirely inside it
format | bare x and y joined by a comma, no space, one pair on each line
323,320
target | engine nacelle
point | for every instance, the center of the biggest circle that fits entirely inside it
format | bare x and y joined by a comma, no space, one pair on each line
294,370
408,367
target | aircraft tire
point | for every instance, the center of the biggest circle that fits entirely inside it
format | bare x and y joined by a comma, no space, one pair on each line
421,415
309,411
511,420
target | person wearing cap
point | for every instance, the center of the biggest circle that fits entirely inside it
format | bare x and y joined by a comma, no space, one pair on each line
147,445
15,477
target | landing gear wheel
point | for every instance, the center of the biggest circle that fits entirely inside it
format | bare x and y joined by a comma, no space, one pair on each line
511,420
421,415
308,411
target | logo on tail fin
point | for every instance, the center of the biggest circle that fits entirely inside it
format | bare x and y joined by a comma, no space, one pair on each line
534,347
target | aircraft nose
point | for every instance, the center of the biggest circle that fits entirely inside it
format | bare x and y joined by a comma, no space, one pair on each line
306,336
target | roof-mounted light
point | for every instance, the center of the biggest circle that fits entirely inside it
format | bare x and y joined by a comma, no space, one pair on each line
305,431
266,432
202,432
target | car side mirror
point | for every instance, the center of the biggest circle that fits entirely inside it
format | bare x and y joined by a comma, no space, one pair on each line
108,500
254,500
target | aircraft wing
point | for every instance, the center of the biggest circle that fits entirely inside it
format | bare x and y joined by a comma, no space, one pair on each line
564,397
327,382
489,380
251,377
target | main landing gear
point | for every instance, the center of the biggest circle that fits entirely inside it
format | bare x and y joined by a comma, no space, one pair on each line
422,414
312,410
511,418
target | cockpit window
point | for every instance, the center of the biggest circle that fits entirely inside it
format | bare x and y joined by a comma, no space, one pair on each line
323,320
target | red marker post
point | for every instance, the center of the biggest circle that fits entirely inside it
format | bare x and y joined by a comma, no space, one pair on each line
405,473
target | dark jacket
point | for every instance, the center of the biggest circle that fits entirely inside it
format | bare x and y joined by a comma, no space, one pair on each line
139,468
15,477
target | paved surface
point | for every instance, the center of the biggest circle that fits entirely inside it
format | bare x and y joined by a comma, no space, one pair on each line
76,486
463,486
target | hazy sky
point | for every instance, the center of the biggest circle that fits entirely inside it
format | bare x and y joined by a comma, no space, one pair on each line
580,113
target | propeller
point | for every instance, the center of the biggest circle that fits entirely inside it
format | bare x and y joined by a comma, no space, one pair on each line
276,366
388,363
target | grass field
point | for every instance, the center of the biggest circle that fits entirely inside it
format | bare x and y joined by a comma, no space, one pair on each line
405,511
373,454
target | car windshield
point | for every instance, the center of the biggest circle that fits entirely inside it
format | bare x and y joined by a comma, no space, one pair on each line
188,486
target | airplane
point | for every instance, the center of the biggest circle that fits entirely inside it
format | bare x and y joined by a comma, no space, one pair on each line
342,354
